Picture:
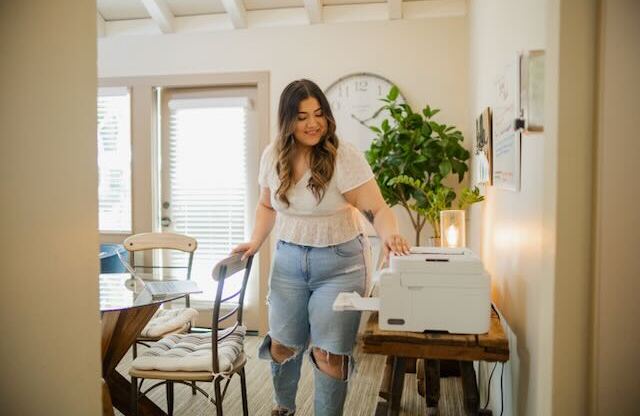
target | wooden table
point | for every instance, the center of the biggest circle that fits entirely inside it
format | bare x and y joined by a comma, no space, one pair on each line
125,308
401,347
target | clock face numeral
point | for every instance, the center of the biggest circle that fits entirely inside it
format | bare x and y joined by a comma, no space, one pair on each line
362,85
343,91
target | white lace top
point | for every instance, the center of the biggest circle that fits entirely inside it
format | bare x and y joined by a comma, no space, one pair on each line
307,222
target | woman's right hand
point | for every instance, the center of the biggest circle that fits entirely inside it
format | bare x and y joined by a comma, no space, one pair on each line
249,248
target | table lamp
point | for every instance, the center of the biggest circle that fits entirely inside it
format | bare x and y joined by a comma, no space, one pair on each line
452,224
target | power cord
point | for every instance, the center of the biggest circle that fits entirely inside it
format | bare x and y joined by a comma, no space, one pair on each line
501,391
489,385
501,377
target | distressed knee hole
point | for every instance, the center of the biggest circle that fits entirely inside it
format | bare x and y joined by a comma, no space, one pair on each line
333,365
281,353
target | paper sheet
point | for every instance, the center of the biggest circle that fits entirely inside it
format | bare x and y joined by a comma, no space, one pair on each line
354,302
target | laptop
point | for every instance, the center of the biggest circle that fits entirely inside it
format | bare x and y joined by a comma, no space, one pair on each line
161,288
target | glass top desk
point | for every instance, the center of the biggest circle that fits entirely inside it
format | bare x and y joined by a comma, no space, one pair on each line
119,291
126,306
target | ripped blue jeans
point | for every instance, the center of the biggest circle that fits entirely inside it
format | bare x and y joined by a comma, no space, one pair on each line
304,283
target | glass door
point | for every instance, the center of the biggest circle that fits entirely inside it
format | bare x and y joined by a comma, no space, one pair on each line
208,186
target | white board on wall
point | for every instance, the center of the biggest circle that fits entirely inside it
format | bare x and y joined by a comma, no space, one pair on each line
506,139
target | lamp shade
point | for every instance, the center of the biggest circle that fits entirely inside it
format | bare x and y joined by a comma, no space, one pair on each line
452,228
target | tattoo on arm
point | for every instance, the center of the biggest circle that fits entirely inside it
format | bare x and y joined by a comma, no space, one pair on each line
368,214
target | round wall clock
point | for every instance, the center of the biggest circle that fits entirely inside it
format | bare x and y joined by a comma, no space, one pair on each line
354,99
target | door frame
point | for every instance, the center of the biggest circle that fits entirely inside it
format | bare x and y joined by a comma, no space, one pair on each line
144,154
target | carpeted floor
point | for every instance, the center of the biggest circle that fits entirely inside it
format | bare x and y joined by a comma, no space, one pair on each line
361,401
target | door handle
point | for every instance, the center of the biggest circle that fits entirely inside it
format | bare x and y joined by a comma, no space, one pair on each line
165,221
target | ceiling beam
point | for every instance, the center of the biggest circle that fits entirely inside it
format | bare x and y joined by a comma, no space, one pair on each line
237,12
161,14
395,9
100,25
314,10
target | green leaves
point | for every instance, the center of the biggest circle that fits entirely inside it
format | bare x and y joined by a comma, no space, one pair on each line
428,112
459,168
469,196
413,122
409,181
385,125
445,167
393,93
425,130
411,156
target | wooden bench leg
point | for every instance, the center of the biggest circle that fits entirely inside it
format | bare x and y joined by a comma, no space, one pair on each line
469,388
420,378
411,365
394,386
397,384
432,384
385,385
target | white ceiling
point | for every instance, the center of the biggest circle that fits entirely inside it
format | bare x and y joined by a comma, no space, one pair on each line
112,10
121,10
132,17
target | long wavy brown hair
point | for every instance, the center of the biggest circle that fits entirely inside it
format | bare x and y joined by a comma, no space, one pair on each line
323,154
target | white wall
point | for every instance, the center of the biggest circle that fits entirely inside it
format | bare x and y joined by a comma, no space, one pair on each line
616,386
48,187
427,59
506,229
569,191
536,243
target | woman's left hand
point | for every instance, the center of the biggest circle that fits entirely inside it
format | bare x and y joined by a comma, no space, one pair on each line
396,244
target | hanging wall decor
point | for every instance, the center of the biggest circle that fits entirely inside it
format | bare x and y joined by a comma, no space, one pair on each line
532,90
506,130
482,148
353,99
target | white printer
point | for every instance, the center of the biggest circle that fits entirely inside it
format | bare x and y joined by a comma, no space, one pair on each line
430,289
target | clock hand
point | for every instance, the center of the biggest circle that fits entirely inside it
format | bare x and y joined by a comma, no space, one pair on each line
363,122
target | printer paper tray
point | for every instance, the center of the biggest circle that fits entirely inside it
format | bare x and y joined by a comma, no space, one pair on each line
352,301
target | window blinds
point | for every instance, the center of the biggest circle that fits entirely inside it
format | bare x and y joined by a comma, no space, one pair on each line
207,179
114,160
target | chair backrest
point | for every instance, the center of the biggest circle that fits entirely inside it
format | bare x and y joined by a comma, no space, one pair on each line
172,241
224,269
162,241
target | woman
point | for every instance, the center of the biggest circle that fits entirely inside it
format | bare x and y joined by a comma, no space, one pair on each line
311,186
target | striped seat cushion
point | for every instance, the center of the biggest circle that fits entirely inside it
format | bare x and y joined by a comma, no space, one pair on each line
166,321
191,352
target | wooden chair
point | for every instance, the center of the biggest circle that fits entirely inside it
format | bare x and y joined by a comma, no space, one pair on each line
163,241
180,351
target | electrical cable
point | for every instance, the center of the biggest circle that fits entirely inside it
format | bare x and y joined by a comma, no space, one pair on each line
489,384
501,391
501,372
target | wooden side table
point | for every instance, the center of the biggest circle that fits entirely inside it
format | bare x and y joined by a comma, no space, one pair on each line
401,346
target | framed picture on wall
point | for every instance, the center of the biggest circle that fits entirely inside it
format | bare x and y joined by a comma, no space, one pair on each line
482,148
505,147
532,90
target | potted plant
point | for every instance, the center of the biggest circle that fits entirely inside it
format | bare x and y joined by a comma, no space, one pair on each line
411,157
